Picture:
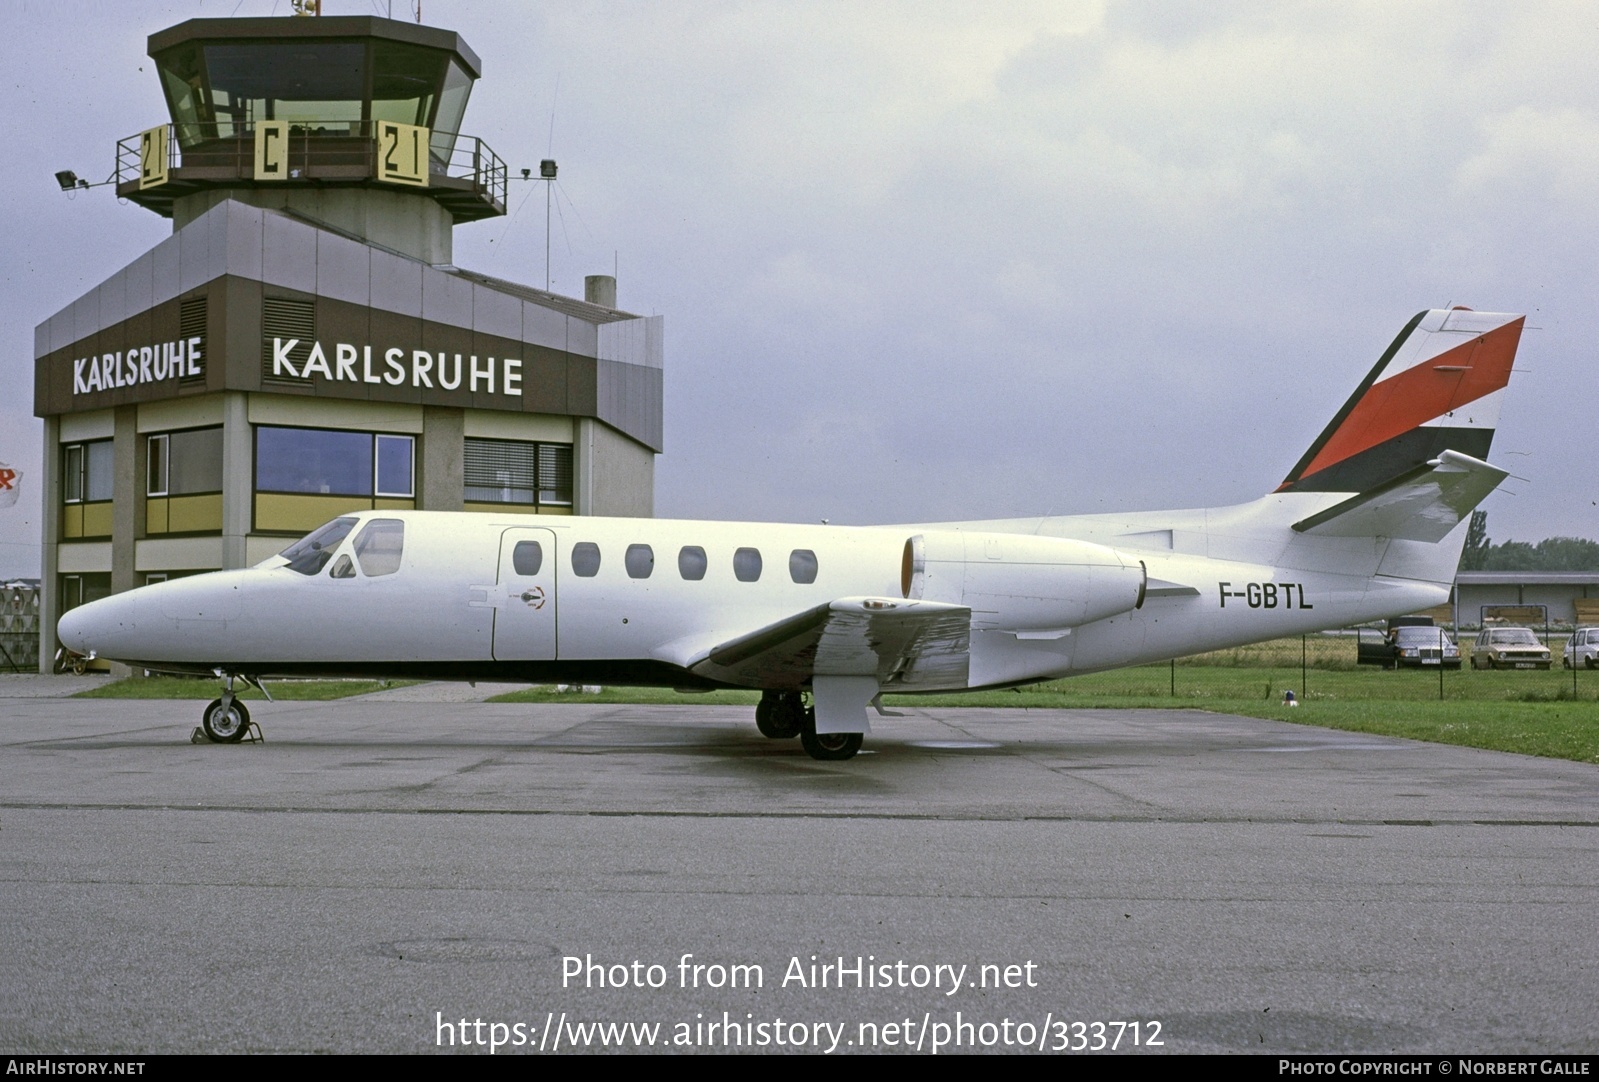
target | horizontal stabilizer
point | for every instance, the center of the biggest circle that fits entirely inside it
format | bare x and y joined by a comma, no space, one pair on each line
1423,504
893,640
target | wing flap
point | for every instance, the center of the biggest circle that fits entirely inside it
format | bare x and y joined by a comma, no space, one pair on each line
894,641
1423,504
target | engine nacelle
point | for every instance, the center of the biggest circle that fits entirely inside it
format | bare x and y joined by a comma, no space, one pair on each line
1021,582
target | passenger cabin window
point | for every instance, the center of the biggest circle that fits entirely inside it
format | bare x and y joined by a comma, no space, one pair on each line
312,552
585,559
378,546
802,566
527,557
747,565
691,563
640,561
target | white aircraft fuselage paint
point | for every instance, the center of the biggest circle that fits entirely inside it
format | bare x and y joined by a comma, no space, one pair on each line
1370,523
456,606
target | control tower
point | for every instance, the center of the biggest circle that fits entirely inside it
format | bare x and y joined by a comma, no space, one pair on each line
352,120
303,344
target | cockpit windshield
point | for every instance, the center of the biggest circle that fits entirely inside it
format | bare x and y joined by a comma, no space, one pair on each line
311,553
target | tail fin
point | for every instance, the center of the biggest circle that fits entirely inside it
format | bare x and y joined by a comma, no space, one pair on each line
1436,389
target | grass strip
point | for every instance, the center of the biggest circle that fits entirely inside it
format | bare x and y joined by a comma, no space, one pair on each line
207,688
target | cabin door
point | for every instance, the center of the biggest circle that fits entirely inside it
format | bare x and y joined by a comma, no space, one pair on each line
524,604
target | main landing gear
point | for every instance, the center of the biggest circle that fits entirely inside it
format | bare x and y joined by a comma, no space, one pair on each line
226,720
783,715
780,715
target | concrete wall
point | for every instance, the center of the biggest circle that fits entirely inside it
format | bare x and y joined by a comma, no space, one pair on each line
127,509
238,479
414,224
441,481
613,475
49,564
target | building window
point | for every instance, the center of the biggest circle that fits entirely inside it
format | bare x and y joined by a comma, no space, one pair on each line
328,462
185,463
183,482
88,477
514,472
81,589
88,474
305,476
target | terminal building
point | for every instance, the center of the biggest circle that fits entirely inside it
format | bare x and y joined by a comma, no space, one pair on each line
303,343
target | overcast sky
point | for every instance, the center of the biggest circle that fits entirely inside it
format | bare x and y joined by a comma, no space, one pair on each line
929,260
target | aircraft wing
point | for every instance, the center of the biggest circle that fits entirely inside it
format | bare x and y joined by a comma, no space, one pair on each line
896,642
1423,504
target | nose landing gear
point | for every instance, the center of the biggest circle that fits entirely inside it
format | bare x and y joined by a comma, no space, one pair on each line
226,720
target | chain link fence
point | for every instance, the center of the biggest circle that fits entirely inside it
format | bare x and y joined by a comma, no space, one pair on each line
19,628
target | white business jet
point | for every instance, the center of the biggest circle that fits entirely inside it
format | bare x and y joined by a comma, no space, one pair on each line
824,619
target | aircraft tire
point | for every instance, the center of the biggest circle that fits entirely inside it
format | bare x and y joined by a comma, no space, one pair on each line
225,726
779,718
829,747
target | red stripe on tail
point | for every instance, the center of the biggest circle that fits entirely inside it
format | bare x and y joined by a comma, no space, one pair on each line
1431,389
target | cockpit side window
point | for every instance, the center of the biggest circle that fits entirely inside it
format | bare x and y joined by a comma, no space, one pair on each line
379,545
342,568
312,552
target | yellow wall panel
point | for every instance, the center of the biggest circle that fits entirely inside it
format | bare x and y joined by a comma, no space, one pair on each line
382,504
72,520
501,508
97,519
195,514
155,515
302,514
513,509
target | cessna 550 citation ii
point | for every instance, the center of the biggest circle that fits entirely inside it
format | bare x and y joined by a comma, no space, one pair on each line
824,619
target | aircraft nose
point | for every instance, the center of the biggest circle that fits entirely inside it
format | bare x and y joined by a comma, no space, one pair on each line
87,628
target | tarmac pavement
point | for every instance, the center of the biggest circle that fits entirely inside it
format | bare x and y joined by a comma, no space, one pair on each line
381,869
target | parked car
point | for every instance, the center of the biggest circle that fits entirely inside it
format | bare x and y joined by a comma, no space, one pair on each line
1582,648
1509,648
1411,642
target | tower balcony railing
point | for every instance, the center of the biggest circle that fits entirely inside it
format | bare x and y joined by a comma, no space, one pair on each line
463,173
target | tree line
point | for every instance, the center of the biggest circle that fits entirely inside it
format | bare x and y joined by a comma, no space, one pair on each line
1550,554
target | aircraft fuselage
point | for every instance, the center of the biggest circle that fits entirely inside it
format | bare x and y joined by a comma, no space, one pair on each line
645,601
